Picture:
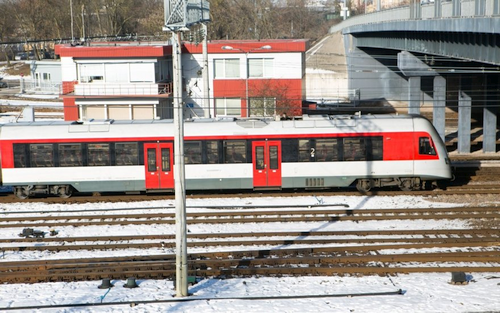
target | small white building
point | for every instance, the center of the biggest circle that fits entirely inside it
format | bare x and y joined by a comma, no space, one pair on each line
45,77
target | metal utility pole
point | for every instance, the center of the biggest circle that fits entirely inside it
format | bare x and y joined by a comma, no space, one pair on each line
179,176
179,16
206,79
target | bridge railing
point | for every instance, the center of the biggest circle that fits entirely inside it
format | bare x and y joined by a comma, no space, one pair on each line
467,9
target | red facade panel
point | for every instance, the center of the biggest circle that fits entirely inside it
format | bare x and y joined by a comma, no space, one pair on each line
287,92
70,109
68,87
239,46
112,51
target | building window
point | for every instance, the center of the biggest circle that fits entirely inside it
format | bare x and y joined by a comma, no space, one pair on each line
46,76
262,106
260,67
227,68
116,73
91,72
142,72
228,107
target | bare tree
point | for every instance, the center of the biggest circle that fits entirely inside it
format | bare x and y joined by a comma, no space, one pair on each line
152,19
230,19
7,24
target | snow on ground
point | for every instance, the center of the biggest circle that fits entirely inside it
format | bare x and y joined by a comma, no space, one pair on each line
430,292
5,75
32,100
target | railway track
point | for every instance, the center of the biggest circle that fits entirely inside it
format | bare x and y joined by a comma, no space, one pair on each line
418,238
250,216
359,252
281,262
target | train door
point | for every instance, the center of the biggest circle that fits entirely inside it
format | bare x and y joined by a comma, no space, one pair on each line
158,165
266,164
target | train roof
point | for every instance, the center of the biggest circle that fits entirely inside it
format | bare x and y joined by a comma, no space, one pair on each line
209,127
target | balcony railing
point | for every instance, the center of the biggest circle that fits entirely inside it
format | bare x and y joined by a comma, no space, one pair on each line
129,89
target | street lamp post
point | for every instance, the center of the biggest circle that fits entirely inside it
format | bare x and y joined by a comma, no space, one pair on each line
247,69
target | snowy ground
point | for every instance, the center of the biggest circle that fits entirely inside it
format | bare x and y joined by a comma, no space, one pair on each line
419,292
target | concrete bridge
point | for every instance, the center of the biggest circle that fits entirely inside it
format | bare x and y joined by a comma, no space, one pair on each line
444,54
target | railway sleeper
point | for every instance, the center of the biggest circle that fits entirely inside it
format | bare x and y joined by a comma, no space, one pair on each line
404,183
24,192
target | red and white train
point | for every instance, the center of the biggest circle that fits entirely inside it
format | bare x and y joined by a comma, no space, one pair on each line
317,152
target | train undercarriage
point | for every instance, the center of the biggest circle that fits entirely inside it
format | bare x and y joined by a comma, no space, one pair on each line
24,192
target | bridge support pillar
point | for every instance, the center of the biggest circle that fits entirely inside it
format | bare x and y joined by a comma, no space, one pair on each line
414,95
489,130
490,118
439,103
464,122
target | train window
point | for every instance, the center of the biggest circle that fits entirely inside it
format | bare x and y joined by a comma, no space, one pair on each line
212,153
41,155
259,158
426,146
235,151
354,149
165,159
70,154
376,149
306,152
192,152
126,153
289,150
19,155
98,154
326,150
273,157
151,160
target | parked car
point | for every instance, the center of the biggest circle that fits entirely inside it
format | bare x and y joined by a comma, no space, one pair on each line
21,56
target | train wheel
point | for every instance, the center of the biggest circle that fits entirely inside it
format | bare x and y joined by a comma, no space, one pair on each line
21,193
364,185
65,192
406,184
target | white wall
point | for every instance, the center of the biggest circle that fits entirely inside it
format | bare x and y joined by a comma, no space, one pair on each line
68,69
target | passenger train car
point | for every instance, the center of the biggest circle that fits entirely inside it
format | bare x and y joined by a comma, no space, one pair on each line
368,151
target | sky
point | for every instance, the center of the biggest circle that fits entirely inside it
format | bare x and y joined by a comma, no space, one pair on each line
427,292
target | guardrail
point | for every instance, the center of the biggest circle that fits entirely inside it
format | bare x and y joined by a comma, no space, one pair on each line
466,8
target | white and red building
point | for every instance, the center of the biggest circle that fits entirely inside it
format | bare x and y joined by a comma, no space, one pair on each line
133,80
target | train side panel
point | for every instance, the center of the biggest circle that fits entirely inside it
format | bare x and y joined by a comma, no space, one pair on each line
83,179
